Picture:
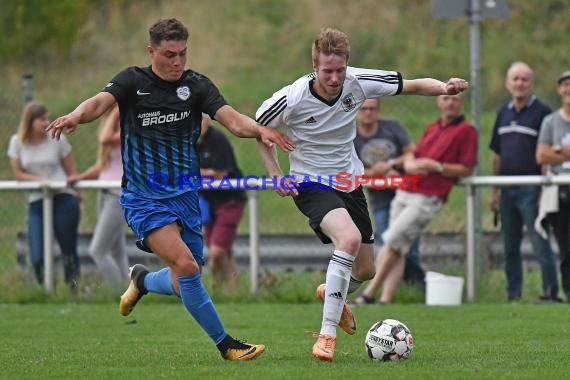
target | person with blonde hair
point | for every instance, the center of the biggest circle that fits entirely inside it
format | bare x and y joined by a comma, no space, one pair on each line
34,156
108,244
319,112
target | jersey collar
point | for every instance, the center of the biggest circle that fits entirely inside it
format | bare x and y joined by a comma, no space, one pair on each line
329,103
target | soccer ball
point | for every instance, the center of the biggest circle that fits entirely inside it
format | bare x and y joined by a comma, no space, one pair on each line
389,340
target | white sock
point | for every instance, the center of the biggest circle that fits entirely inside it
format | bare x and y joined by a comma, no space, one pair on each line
337,279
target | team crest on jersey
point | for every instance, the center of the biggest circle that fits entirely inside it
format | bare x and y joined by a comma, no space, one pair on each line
348,103
183,92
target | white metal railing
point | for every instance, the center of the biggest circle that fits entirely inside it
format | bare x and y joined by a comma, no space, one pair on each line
470,184
48,188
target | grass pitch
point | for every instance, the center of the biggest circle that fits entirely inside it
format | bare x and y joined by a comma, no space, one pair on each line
160,340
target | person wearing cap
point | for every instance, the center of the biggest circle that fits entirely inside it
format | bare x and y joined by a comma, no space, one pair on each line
513,143
553,149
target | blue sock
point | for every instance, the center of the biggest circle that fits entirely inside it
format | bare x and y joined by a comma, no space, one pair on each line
199,304
159,282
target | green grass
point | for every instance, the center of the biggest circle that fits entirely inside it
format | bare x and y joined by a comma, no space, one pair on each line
91,341
59,336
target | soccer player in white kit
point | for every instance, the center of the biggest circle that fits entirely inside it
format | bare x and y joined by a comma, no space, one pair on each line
319,113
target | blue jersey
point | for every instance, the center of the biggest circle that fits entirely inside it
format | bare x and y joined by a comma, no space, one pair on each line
160,123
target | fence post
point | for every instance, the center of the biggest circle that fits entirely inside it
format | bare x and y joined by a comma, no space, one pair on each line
253,196
48,238
27,87
470,189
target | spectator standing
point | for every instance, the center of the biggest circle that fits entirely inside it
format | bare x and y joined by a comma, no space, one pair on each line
217,161
554,149
108,244
381,144
446,152
513,143
36,157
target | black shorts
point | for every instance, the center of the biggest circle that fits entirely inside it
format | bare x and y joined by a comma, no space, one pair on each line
315,203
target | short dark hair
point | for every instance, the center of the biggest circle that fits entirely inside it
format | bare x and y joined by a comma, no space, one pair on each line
167,30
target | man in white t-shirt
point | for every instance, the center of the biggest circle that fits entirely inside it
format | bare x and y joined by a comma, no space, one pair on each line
319,112
553,149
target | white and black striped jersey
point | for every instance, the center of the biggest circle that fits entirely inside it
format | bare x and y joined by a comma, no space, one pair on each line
323,131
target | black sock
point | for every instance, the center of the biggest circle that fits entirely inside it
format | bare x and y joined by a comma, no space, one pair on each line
229,342
225,344
139,281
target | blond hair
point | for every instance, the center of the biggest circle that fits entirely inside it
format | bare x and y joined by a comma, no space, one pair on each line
330,41
31,112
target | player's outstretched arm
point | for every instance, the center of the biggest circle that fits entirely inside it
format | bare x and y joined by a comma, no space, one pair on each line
285,186
434,87
87,111
244,126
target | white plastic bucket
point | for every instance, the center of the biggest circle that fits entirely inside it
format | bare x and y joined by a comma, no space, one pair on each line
442,289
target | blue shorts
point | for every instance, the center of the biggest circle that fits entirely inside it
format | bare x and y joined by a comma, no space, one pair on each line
143,215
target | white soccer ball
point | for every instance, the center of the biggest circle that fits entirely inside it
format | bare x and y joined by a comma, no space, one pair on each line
389,340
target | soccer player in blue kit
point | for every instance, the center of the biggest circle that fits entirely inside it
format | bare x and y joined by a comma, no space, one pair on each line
161,110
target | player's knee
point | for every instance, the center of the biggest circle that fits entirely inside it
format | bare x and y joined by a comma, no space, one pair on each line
365,273
351,243
185,266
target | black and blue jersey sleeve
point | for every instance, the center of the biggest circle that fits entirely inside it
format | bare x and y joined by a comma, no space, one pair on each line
211,100
121,85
